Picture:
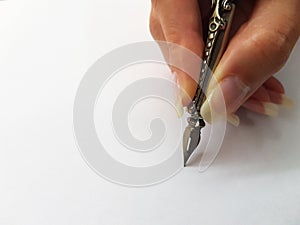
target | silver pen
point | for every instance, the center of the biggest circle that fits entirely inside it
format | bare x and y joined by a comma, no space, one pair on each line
218,31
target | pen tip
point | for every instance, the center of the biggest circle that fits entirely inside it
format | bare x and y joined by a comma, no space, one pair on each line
186,158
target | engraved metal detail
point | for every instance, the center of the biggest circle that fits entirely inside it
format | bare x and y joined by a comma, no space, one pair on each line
217,24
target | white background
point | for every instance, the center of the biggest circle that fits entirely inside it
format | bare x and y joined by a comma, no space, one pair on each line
45,49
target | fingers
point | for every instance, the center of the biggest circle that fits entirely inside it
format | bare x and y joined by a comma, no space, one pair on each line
258,50
274,84
265,108
267,98
155,27
267,105
179,22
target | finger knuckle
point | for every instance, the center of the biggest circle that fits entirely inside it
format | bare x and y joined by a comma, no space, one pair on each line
154,3
154,26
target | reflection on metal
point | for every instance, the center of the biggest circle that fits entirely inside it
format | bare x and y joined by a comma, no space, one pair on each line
218,32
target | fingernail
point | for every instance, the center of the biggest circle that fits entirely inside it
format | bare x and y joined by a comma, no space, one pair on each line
270,109
286,101
177,96
233,119
234,91
205,112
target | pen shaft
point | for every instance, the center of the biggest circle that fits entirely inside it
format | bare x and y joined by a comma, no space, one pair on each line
218,32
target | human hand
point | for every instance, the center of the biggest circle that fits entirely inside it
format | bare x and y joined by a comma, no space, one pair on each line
263,35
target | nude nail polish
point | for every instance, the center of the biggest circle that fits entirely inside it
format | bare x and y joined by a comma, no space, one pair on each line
286,101
270,109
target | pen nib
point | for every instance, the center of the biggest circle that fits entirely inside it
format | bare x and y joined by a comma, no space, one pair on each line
191,139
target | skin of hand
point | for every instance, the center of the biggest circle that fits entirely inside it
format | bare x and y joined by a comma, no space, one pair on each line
263,35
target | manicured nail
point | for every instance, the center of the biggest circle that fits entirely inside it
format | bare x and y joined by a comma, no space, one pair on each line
177,96
229,94
205,112
233,119
286,101
270,109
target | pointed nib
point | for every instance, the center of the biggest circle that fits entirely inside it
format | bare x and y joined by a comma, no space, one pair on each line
191,139
185,160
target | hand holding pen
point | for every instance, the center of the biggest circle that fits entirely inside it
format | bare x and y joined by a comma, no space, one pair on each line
262,36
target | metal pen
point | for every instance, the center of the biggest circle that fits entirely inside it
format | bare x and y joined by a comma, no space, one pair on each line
218,31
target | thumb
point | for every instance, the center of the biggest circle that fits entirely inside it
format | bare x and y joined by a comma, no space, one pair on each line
257,51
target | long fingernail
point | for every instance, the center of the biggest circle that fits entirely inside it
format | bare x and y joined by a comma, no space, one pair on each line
233,119
205,112
229,94
286,101
270,109
177,96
